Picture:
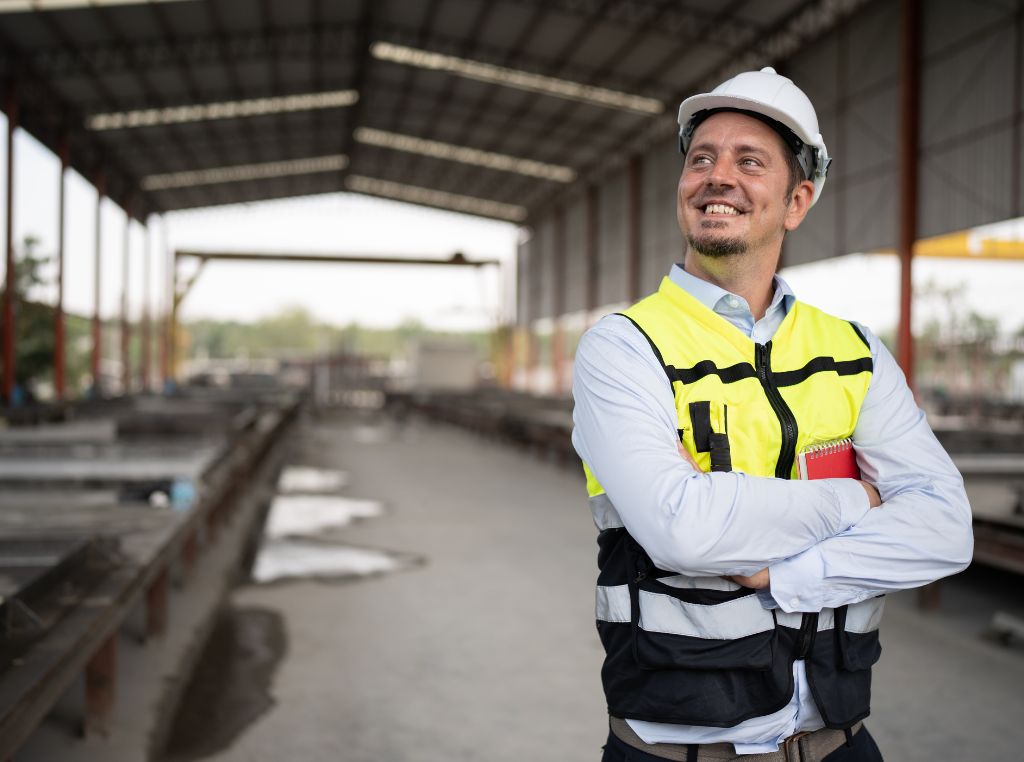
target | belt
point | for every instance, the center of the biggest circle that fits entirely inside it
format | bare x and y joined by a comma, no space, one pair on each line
800,747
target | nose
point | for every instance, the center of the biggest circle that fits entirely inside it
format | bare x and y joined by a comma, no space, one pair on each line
721,174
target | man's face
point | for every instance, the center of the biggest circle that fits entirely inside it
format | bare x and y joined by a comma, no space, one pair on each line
732,196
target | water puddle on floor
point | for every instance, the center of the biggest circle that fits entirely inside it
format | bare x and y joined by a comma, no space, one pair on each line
292,515
230,686
281,560
299,541
364,434
305,479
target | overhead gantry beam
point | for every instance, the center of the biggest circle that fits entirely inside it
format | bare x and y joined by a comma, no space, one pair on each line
180,291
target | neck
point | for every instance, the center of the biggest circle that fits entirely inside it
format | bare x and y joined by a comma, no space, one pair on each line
743,275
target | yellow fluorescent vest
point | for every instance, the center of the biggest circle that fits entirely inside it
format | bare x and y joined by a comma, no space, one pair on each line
804,387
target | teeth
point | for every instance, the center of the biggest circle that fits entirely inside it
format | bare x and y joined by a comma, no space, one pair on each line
720,209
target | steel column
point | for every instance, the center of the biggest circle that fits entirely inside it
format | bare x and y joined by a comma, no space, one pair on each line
156,604
172,324
11,108
97,325
590,244
100,688
146,293
910,107
58,316
126,361
1018,110
558,302
635,229
165,323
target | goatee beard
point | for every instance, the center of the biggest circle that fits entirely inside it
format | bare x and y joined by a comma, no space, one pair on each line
717,247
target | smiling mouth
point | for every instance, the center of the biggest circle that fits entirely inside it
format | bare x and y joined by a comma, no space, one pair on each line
722,209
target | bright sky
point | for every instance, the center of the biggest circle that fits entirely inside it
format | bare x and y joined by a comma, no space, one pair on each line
861,287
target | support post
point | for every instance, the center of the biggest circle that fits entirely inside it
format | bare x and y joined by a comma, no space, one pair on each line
635,229
126,360
146,293
156,605
100,688
11,108
168,301
590,301
58,316
558,306
172,326
189,554
910,103
910,116
97,325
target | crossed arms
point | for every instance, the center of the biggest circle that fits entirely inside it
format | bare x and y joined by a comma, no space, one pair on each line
819,542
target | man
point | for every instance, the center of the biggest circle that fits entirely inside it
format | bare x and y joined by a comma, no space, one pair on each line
738,608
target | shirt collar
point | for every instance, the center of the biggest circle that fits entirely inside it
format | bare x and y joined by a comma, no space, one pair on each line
716,298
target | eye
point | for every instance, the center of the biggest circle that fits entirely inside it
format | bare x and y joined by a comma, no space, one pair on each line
750,161
700,160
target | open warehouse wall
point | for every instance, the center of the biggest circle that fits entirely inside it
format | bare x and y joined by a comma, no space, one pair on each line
970,158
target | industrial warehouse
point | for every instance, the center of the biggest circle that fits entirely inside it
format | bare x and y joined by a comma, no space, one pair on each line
334,340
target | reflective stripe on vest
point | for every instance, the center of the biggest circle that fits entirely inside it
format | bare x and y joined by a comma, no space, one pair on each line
725,621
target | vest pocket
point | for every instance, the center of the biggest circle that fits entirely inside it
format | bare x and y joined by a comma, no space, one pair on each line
856,631
672,630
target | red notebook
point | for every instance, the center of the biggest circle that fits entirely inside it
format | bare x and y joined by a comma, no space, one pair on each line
828,460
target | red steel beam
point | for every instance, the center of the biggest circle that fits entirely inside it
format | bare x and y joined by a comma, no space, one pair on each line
910,111
9,280
165,324
157,604
591,252
635,228
97,325
58,316
456,260
101,688
126,362
558,306
146,294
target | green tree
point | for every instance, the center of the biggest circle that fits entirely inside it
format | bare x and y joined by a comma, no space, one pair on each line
33,321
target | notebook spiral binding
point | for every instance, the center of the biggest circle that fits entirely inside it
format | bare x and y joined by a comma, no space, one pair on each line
828,448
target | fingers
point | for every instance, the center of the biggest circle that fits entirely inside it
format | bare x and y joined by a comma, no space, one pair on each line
686,456
874,499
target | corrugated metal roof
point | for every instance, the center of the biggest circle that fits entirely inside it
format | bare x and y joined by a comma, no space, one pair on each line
482,92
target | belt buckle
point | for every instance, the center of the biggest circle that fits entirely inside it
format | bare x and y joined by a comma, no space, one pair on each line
795,738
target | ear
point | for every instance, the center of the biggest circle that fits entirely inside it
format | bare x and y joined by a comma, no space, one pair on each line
799,204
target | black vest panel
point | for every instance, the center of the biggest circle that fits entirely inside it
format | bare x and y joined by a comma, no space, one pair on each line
673,678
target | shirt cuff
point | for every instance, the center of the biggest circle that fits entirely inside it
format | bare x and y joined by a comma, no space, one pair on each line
798,583
852,500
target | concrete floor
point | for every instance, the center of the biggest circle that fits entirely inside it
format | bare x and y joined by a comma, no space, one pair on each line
487,651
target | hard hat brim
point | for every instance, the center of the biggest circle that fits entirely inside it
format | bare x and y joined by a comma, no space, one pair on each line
708,101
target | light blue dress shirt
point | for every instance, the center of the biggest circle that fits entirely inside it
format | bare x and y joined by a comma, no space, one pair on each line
822,544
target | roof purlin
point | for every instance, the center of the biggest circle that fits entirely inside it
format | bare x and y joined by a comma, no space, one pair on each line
444,98
721,18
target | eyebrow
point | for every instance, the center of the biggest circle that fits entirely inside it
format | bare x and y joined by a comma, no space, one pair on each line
745,148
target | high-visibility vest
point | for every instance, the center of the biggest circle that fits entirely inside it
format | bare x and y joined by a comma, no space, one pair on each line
703,650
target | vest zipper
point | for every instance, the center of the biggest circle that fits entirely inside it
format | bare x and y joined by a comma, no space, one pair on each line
787,421
808,627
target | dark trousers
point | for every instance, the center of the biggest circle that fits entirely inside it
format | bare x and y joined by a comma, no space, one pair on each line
862,749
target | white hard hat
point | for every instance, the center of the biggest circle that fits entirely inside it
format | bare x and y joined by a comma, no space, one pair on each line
770,95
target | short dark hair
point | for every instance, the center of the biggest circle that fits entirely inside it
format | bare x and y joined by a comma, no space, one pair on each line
796,172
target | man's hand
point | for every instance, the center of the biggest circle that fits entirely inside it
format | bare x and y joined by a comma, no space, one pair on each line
686,456
874,499
757,581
